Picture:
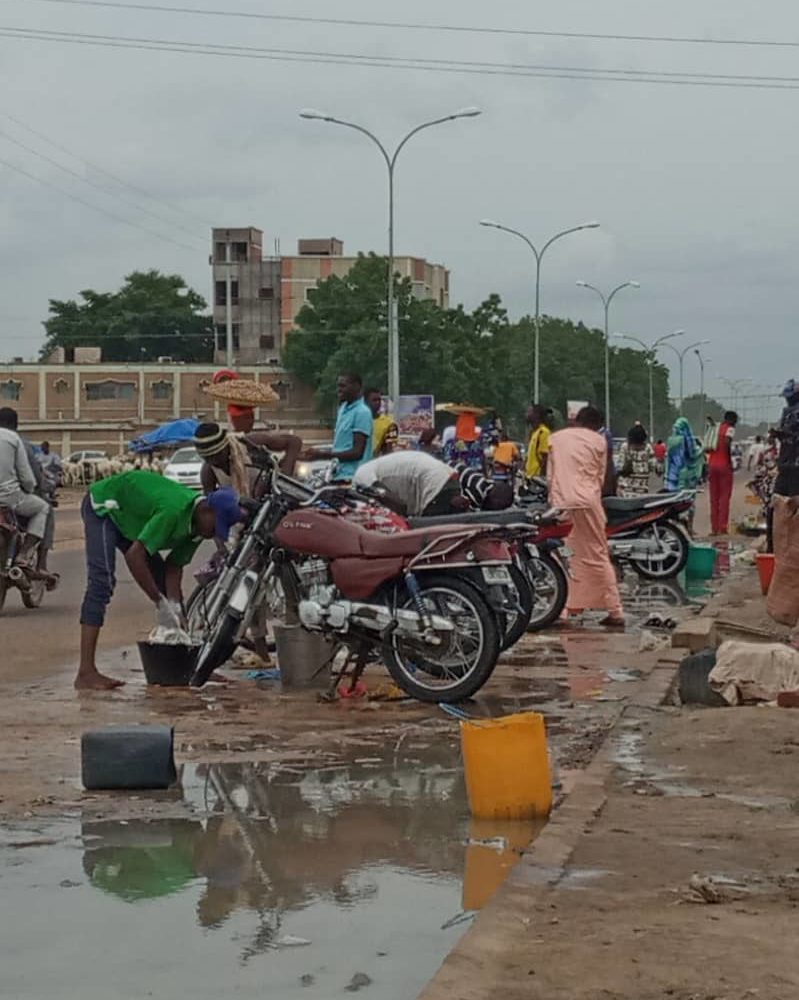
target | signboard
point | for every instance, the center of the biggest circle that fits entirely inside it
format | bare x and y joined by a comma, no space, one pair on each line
573,407
414,414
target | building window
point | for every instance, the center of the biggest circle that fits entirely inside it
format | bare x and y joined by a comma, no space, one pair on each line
10,390
267,341
239,251
220,293
161,390
61,386
110,389
266,293
221,337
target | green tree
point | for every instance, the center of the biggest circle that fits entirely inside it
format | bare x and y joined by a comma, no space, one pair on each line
460,356
152,315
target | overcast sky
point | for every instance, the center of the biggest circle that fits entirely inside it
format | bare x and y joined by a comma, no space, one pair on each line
695,187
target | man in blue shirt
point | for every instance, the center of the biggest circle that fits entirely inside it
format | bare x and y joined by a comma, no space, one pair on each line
352,440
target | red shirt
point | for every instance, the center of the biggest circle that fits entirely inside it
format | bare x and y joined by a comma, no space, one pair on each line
720,457
660,451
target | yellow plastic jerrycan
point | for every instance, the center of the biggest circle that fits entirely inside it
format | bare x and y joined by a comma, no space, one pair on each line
493,848
507,767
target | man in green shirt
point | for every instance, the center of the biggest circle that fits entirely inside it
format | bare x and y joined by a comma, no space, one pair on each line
143,514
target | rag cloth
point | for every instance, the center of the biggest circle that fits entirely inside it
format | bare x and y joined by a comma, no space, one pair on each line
754,671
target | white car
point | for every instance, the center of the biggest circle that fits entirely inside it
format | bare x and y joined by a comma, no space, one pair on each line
79,457
184,467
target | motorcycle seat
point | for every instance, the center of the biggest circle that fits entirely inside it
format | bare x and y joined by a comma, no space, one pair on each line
638,503
378,545
512,516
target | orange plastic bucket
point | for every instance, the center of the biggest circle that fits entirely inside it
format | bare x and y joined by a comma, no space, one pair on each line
765,569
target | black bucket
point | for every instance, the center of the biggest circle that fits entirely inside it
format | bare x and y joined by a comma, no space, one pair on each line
167,665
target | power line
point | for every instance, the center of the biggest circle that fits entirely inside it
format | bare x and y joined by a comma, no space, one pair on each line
419,26
96,208
101,170
99,187
735,81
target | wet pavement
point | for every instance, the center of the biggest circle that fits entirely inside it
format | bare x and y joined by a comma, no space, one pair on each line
355,875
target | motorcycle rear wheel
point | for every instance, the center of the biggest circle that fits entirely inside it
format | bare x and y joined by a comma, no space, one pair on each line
463,663
679,544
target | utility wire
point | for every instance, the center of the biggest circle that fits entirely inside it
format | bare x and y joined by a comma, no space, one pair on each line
104,172
736,81
94,184
96,208
419,26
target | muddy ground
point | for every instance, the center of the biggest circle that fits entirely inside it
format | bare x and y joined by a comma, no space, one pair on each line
600,906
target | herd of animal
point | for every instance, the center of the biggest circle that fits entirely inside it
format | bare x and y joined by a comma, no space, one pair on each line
90,470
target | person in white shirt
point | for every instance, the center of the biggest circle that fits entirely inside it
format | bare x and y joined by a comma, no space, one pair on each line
426,487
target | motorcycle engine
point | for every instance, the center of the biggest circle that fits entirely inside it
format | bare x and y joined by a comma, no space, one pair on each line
315,580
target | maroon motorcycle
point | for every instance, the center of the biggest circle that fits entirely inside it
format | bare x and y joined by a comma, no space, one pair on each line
426,602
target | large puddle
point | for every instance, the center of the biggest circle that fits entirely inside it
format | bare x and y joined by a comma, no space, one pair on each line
353,877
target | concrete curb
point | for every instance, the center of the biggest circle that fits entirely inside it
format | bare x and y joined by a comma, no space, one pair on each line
522,895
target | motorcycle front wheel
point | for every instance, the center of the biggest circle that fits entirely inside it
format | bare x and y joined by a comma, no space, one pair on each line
219,646
677,546
464,661
518,621
550,588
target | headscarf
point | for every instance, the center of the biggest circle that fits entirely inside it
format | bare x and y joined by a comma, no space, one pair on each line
683,457
466,427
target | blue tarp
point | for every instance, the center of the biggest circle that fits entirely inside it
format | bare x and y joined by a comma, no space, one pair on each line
175,432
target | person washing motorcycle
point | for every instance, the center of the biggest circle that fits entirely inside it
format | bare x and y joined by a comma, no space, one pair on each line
425,487
142,514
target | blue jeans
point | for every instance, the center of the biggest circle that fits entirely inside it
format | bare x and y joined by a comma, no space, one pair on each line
103,538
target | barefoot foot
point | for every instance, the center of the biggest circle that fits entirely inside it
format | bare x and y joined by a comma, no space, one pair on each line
96,682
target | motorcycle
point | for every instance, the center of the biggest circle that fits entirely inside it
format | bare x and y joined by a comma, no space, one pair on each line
648,532
420,600
540,564
12,576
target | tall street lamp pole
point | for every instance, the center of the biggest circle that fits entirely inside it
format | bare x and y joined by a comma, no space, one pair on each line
681,356
702,363
538,254
651,350
392,319
606,300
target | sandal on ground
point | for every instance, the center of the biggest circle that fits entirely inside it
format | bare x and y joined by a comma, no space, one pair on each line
615,623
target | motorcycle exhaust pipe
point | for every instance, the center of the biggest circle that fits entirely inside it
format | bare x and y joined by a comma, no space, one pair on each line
18,578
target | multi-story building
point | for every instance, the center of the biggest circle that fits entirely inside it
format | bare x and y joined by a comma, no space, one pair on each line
268,292
76,405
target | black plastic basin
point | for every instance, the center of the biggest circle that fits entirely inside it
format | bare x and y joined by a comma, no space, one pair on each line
168,666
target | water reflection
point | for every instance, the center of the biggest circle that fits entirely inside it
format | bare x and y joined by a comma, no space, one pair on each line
278,840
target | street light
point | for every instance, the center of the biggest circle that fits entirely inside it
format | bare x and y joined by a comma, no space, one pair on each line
606,300
391,162
735,385
702,363
681,356
651,350
538,254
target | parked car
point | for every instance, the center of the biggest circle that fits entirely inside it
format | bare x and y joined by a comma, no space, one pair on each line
184,467
79,457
